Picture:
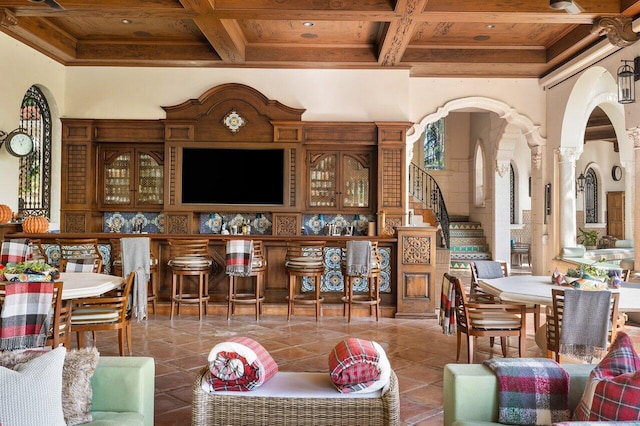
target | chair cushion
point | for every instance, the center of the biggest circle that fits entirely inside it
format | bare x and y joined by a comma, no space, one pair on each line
613,389
31,393
97,315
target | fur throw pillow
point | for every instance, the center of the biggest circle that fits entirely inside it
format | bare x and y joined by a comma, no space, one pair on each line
79,366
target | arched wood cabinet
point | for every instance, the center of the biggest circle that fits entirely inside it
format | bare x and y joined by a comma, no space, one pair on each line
368,161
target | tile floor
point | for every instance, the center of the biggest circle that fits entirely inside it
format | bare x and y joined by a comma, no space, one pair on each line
416,348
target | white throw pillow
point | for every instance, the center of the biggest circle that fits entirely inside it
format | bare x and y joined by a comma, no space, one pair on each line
31,394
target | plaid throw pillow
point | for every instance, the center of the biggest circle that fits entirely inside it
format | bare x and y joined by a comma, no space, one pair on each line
358,366
81,265
14,251
613,389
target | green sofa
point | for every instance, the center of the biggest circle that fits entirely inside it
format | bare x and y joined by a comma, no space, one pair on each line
471,392
123,391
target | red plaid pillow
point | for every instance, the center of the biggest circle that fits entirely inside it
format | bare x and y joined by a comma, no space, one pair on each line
354,364
613,389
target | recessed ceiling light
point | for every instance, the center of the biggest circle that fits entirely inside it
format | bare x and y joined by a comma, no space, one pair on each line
481,37
490,26
307,24
126,21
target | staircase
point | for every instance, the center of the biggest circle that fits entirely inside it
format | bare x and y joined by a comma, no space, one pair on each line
468,242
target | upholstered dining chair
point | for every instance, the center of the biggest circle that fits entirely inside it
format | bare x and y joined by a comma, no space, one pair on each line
486,320
496,269
103,314
555,315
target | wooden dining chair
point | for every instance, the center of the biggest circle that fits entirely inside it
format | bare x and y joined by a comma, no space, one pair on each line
534,309
486,320
103,314
59,332
555,314
80,255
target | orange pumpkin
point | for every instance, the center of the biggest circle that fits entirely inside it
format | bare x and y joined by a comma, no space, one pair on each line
5,213
35,225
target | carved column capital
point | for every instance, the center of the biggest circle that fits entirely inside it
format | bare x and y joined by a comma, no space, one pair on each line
536,156
567,155
502,167
618,29
634,135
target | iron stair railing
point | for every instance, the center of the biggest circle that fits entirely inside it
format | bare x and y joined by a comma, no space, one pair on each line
425,189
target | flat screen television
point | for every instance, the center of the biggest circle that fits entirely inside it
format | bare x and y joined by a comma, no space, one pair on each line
233,176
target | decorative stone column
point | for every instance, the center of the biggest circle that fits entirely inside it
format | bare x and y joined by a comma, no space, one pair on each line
566,209
632,189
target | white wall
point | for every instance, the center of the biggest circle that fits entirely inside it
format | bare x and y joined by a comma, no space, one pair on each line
345,95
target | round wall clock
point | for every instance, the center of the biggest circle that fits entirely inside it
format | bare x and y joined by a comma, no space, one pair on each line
616,173
19,143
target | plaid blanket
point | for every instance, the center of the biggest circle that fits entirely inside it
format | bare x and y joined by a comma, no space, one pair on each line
354,364
239,364
446,314
531,391
239,257
15,250
25,315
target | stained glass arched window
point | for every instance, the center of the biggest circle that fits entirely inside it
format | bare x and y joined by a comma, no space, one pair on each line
34,189
433,139
591,196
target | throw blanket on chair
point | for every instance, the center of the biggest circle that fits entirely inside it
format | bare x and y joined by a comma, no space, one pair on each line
25,315
15,251
358,258
446,314
136,257
489,269
239,257
585,323
239,364
531,391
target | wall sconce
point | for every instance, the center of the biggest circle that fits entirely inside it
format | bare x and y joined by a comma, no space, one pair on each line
580,182
627,76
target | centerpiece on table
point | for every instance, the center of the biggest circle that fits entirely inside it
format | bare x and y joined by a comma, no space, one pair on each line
28,271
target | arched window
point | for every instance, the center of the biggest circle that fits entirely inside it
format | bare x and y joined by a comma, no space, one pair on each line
591,196
433,139
479,176
512,191
34,190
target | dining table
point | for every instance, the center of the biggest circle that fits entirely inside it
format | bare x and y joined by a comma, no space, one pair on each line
87,284
536,289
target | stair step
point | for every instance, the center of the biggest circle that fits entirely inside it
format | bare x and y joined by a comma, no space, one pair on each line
466,233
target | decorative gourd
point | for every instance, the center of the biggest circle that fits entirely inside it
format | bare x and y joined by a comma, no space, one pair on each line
35,225
5,213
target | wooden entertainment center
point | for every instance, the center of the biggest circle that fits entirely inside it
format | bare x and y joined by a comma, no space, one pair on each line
347,168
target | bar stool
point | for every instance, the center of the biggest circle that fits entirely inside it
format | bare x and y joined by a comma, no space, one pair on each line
116,268
189,258
245,258
351,278
304,259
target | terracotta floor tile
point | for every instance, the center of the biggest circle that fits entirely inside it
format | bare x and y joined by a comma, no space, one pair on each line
417,350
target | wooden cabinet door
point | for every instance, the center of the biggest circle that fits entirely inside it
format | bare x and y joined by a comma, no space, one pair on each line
615,214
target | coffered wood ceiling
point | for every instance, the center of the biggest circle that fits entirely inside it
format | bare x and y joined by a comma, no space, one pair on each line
431,38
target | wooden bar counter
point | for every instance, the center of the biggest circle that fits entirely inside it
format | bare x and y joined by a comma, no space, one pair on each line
276,279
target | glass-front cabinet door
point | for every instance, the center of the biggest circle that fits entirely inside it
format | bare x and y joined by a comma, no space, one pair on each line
339,180
132,177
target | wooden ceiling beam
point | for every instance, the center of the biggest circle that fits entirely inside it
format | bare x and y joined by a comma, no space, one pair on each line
454,55
276,54
145,52
397,34
43,36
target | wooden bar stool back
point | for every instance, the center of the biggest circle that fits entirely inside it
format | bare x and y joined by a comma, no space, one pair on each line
116,268
304,259
258,263
372,296
189,258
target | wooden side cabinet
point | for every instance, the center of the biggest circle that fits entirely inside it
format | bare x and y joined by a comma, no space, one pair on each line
416,271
